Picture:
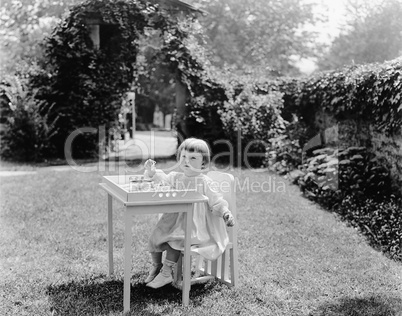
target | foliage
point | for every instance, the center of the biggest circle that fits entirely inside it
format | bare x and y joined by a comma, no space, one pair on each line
332,174
373,33
86,84
363,173
257,36
24,25
252,119
285,151
380,221
320,180
202,117
28,132
369,92
186,58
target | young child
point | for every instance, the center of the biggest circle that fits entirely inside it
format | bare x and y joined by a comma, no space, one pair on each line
208,232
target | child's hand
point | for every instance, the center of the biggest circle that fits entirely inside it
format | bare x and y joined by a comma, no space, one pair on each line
149,163
150,169
229,219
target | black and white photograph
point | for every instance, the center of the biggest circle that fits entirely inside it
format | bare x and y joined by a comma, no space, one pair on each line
201,157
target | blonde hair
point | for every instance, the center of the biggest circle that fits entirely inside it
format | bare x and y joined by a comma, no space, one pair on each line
196,145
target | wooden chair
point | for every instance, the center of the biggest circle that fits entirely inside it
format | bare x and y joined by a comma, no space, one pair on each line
225,268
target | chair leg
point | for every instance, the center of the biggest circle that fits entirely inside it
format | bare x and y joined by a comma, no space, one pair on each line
198,266
234,269
208,267
214,268
225,267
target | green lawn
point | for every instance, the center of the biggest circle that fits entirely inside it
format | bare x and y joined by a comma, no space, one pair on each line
294,258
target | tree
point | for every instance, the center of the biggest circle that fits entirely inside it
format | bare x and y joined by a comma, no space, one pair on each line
23,26
373,33
257,34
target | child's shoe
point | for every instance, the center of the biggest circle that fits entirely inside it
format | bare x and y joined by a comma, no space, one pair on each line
153,272
160,280
164,277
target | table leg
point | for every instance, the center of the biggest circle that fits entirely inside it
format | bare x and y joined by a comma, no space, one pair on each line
187,257
127,261
110,231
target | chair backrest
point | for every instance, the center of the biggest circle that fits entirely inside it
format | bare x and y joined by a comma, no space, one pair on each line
226,187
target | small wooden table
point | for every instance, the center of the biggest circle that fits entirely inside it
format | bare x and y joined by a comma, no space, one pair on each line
172,201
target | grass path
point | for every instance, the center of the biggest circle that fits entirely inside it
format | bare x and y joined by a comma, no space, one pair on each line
295,258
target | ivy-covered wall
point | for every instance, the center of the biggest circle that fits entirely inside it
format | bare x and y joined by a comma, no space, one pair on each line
364,103
356,169
371,92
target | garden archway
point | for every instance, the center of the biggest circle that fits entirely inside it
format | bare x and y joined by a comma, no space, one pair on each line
87,76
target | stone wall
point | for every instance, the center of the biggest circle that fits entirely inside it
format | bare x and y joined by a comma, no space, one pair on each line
357,133
389,149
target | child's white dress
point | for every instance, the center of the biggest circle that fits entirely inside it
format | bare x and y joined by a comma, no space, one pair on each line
208,233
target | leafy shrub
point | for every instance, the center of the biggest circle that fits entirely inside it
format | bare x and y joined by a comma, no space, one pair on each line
28,132
364,174
202,119
254,119
285,151
320,178
380,221
332,174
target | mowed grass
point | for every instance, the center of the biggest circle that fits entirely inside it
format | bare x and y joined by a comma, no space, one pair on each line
294,258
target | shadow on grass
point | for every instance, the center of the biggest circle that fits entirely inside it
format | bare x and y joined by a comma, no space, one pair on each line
101,295
369,306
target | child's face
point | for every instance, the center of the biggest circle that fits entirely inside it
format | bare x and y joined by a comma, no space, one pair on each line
191,163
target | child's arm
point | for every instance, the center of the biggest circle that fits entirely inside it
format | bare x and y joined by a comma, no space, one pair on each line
156,175
219,206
